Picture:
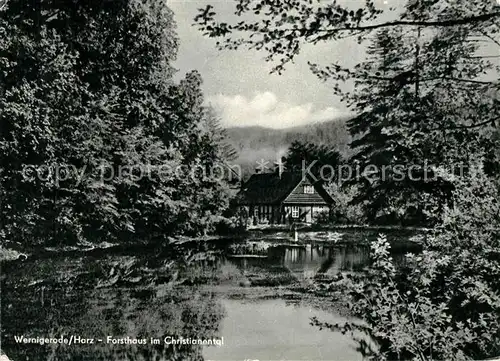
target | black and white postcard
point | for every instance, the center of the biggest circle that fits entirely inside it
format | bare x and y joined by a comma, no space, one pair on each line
249,180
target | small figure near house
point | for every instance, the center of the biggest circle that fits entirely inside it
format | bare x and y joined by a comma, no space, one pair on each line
283,198
295,233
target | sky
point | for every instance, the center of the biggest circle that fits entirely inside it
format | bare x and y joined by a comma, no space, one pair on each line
238,84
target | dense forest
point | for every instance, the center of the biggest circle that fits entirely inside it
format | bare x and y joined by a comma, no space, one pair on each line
93,127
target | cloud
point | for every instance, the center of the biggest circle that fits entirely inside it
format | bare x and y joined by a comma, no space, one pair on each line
266,110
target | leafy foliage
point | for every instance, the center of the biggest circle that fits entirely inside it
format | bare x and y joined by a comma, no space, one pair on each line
322,160
281,28
90,108
414,97
345,210
443,303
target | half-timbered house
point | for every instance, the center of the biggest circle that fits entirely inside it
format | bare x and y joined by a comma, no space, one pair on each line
283,198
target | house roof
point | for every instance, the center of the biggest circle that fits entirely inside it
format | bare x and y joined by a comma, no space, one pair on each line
270,188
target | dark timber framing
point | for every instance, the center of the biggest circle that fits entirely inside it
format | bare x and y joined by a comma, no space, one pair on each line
283,198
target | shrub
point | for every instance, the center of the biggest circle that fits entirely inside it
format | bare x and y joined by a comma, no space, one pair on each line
323,218
445,302
345,211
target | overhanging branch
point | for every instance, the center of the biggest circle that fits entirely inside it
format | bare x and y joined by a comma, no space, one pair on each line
477,125
438,23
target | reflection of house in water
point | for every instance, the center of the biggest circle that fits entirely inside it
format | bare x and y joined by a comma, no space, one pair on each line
304,262
308,261
311,260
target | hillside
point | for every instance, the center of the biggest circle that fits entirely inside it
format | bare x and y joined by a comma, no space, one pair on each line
256,143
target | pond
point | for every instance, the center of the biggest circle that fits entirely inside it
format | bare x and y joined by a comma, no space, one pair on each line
277,330
213,304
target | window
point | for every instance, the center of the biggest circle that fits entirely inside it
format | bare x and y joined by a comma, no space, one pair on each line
308,189
295,212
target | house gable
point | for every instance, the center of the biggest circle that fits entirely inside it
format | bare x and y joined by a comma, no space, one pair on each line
299,196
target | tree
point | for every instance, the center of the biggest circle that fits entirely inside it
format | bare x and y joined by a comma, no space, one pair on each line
414,102
411,120
281,27
89,104
322,161
444,302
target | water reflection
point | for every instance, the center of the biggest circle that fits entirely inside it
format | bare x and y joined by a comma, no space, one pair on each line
152,296
313,260
309,261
